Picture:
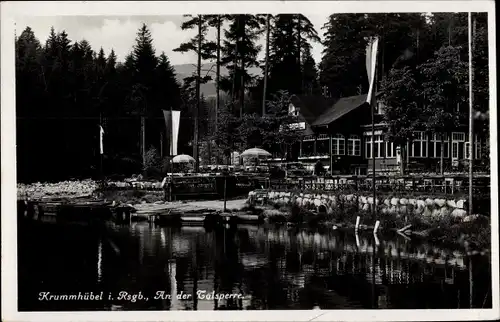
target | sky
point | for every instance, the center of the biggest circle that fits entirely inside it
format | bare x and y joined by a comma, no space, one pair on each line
119,32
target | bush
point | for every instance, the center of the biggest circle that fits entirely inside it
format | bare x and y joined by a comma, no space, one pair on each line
152,166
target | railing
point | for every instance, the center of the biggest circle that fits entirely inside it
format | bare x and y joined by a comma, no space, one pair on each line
448,185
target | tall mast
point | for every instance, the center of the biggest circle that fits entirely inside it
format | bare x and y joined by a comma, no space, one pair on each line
471,116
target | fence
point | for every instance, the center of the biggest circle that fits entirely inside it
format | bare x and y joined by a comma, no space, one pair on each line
445,185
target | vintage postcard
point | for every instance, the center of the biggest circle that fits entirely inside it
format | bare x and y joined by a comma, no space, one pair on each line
249,161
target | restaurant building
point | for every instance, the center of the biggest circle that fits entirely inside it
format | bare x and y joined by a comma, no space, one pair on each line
338,132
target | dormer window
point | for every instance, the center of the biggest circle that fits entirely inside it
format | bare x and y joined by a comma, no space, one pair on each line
292,110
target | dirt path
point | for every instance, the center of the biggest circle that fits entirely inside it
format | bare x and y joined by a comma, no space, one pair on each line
208,205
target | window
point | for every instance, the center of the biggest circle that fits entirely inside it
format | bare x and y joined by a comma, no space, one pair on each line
467,151
435,149
338,145
322,137
458,136
454,150
458,148
308,138
292,110
378,146
368,147
477,149
390,149
379,143
354,145
419,145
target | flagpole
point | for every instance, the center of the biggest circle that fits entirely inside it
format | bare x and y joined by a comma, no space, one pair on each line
373,148
101,149
471,116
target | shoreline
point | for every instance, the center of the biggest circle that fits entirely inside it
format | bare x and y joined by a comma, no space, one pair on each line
290,209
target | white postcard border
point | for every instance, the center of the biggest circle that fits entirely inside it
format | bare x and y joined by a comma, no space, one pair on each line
10,10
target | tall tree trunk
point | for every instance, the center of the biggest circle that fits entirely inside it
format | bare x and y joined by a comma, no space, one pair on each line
266,68
198,101
235,63
299,45
217,81
242,67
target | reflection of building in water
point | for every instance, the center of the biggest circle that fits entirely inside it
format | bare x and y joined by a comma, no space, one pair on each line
99,261
393,263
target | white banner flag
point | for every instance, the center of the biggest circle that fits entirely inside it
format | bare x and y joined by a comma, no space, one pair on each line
172,119
101,139
176,116
371,64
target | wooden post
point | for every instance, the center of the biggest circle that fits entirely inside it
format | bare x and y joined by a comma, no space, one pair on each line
143,139
331,155
225,189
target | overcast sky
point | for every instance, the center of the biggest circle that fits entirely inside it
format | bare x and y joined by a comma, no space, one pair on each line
119,32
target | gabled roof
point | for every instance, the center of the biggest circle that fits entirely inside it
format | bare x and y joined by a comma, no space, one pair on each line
311,107
343,106
321,111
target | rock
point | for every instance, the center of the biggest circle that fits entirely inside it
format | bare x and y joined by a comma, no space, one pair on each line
387,202
461,204
394,201
440,202
420,204
445,211
426,212
286,200
457,212
317,202
363,199
403,201
366,207
298,201
436,213
451,203
369,200
418,211
429,202
403,209
470,218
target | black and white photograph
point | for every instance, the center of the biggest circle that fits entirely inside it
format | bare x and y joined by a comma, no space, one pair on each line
298,160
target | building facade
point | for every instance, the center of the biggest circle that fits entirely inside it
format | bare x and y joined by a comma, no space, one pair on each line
339,134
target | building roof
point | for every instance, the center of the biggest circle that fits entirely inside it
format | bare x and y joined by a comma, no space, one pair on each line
343,106
321,111
311,107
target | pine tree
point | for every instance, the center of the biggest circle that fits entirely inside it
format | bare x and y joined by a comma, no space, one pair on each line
239,53
310,82
285,69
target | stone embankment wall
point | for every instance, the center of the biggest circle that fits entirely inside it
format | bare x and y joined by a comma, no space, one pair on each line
329,202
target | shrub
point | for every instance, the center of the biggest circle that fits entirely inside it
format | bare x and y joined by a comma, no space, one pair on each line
152,164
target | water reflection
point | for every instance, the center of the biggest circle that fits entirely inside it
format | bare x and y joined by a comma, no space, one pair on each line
273,268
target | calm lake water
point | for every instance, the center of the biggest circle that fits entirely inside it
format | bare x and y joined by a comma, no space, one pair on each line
270,267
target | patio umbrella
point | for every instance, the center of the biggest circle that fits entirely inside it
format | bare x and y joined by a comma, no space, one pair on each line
183,158
256,153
